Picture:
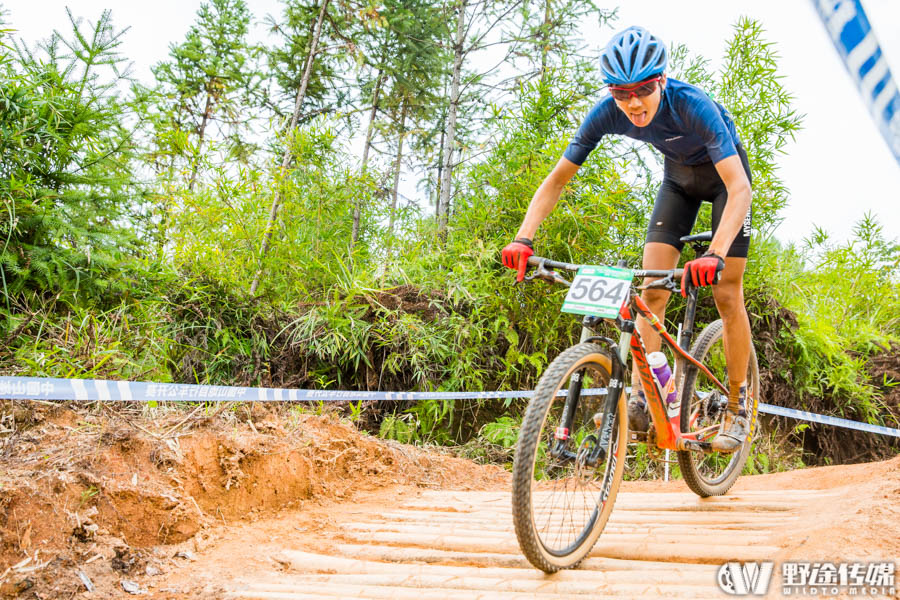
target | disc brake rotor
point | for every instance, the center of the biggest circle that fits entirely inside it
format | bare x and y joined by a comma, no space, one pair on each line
583,471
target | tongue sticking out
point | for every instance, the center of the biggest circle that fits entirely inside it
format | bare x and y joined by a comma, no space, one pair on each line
639,119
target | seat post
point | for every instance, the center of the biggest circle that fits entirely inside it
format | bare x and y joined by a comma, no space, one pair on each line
699,242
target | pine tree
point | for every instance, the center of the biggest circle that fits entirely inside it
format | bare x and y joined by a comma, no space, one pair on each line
66,176
208,80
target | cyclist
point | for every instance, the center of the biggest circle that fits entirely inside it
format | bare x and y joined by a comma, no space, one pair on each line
704,161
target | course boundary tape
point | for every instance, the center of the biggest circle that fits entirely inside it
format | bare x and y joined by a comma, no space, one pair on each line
39,388
849,28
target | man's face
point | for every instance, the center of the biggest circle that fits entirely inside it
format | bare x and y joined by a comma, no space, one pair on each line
640,110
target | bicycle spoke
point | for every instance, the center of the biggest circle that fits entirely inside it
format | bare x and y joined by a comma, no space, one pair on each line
710,473
556,499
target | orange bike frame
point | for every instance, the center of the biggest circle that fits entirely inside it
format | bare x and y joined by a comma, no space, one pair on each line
668,434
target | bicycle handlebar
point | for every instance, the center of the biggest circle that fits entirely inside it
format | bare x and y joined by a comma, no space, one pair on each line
536,261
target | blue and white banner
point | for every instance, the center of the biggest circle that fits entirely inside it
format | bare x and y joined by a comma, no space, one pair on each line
826,420
39,388
849,28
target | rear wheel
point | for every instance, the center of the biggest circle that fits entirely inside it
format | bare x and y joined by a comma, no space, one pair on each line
565,482
702,411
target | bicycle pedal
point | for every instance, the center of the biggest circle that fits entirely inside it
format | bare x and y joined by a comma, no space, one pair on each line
640,437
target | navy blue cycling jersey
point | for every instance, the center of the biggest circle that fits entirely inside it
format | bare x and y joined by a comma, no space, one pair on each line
689,127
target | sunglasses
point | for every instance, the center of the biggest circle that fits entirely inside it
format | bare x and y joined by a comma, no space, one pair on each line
644,88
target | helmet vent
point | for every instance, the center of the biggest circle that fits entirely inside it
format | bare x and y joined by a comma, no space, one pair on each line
606,64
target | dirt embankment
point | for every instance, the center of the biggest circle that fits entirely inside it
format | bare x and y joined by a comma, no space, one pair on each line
98,497
176,504
824,444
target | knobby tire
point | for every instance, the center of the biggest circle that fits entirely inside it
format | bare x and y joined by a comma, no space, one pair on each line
534,470
699,470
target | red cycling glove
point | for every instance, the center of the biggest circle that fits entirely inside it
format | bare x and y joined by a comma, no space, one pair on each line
703,271
515,256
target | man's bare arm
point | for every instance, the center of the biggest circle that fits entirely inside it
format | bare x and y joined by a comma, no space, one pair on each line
546,197
732,172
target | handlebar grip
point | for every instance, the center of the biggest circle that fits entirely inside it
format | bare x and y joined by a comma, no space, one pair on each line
534,261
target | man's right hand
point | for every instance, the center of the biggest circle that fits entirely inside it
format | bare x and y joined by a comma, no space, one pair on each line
515,256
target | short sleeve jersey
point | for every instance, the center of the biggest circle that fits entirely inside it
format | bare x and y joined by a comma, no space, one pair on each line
689,127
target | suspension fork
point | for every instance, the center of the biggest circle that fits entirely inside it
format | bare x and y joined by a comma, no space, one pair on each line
610,405
568,415
614,390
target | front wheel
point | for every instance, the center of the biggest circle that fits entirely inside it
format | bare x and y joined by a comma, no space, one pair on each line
702,411
569,460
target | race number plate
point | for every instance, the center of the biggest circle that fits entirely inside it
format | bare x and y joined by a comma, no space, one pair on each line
598,291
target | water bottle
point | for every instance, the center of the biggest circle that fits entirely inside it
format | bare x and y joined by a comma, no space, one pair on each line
659,366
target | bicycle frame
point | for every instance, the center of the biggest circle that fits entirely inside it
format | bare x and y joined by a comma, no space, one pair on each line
668,429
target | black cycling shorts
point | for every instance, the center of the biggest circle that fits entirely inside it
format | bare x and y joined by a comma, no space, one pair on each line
678,200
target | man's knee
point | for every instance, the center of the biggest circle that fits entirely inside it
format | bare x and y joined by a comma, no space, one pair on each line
655,299
729,293
729,298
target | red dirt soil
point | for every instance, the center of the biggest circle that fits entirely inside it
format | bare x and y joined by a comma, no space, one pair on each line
112,498
75,486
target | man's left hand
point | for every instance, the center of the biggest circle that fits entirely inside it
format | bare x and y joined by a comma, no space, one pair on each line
703,271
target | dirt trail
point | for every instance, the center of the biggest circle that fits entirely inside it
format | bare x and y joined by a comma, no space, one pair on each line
265,506
662,541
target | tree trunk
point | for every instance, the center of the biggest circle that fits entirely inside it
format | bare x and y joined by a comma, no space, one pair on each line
440,162
450,140
286,158
165,209
207,113
440,166
357,208
545,45
397,165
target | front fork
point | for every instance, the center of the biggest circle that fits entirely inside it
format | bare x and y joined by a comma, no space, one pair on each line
610,407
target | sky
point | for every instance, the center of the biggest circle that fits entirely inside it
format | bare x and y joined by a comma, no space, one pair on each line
838,168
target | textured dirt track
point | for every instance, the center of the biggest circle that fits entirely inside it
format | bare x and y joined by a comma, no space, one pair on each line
461,544
307,507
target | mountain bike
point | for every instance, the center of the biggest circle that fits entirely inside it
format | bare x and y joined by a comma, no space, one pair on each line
571,451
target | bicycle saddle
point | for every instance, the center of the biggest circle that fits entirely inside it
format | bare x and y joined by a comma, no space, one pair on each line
706,236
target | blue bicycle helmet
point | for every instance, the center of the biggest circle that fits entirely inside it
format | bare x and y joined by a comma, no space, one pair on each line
631,56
